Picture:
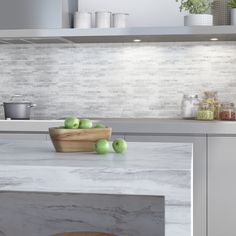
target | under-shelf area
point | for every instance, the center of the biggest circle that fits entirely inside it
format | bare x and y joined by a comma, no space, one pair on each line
119,35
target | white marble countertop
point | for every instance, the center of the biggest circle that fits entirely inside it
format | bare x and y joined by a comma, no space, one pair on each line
162,169
136,126
35,166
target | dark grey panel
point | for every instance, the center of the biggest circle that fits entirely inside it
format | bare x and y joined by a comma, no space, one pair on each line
38,214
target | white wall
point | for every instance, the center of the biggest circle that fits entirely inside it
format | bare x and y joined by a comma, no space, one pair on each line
142,12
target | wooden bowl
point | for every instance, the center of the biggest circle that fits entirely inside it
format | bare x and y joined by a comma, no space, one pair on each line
77,140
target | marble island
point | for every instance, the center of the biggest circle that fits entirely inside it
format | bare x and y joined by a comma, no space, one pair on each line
32,168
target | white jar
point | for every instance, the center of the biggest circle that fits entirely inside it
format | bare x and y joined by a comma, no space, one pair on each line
190,104
102,19
82,20
233,16
120,20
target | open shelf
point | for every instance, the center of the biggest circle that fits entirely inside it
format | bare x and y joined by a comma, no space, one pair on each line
119,35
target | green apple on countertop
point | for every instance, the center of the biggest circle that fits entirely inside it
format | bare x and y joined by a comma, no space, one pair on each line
85,124
72,123
102,146
119,145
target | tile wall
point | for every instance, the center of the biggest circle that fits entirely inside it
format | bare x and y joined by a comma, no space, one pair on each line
115,80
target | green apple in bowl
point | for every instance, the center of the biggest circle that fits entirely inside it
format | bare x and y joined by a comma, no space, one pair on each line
72,123
85,124
119,145
99,125
102,146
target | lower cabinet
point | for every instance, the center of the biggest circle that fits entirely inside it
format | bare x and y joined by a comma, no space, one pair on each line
221,186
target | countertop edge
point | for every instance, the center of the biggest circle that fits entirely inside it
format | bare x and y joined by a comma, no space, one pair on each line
131,126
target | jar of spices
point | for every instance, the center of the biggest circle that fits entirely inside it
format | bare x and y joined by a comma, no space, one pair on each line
189,106
227,111
205,111
210,97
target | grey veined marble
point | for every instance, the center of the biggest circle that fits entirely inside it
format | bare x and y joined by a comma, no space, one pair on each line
154,169
40,214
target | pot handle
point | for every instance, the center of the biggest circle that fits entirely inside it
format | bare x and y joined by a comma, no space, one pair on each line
33,105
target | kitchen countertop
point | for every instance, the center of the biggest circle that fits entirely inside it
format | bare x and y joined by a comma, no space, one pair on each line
135,126
162,169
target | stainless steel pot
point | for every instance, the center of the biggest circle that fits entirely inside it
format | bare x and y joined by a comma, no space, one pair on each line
17,110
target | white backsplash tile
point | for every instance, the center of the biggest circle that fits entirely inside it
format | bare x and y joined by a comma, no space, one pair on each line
115,80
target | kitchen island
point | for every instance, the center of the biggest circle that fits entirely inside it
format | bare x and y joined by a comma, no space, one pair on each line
153,169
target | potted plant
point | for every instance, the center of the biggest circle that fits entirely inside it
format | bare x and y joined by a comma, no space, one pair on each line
199,12
232,4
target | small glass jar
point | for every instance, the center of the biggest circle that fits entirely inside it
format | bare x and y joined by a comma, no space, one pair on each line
227,111
189,106
210,97
205,111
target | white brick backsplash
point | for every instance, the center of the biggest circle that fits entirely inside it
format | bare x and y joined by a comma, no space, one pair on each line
115,80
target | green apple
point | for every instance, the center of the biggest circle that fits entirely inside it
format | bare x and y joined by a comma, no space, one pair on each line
99,126
85,124
119,145
102,146
71,123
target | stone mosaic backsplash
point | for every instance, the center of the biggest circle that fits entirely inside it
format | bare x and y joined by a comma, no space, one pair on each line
115,80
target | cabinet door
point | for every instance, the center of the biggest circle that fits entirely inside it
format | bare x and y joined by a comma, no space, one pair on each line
221,186
199,182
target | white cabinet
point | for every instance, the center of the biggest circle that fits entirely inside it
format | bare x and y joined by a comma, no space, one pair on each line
221,186
35,14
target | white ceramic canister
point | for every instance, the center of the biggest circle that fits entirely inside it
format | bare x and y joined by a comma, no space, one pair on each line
102,19
120,20
82,20
233,16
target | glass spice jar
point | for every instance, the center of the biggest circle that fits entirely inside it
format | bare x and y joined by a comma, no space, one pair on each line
205,111
227,111
189,106
211,97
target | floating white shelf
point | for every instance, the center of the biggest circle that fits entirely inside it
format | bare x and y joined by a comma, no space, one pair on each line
119,35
